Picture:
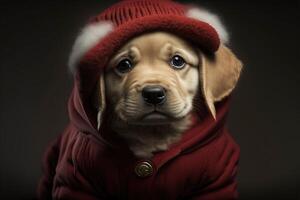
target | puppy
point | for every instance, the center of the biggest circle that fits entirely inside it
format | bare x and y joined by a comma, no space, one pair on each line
151,86
152,80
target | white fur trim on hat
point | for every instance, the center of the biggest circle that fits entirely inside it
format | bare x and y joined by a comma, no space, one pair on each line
87,39
211,19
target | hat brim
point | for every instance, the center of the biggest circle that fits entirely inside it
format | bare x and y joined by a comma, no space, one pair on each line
195,31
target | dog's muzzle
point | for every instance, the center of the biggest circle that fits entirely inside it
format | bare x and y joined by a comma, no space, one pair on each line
154,94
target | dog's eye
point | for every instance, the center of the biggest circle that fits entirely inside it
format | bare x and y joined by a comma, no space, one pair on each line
177,62
124,66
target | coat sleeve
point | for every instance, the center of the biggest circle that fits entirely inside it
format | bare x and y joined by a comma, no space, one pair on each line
223,188
62,178
49,163
221,183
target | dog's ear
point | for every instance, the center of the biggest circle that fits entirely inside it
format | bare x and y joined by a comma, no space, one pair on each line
219,74
100,99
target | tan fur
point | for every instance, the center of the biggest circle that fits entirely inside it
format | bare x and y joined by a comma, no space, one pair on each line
151,54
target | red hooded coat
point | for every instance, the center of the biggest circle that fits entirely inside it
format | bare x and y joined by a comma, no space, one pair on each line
203,165
80,164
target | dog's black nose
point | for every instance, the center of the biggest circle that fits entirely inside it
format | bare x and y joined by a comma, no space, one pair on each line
154,94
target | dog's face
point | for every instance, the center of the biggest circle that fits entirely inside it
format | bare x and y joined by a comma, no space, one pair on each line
152,84
153,79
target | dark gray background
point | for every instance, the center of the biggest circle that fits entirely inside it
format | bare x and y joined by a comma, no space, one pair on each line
36,38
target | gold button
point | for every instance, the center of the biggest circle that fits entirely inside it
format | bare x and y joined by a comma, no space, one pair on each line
143,169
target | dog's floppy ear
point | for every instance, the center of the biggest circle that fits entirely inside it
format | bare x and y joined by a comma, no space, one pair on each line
219,74
100,99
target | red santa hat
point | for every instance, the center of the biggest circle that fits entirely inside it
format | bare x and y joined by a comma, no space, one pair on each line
108,31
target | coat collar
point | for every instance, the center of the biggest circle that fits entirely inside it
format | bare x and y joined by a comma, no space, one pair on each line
197,136
202,132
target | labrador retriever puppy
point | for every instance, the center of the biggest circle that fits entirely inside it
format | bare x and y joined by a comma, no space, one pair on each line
152,80
156,81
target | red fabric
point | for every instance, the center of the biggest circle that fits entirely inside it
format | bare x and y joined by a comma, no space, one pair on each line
78,165
135,17
125,11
